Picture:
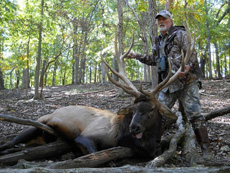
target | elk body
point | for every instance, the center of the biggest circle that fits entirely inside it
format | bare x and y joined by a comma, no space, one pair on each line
137,126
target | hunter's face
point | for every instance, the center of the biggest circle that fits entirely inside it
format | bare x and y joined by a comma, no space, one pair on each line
164,24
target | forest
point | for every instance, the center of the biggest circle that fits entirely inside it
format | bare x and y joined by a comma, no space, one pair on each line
51,56
60,42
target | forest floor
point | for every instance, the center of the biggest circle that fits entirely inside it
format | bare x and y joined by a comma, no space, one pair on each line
215,94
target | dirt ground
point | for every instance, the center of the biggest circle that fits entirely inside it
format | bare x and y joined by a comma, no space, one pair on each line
215,94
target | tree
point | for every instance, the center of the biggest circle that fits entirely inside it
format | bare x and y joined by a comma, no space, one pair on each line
38,59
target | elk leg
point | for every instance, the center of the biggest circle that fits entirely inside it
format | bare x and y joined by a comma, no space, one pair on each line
86,145
23,137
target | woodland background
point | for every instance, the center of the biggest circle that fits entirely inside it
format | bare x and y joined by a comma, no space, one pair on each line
60,42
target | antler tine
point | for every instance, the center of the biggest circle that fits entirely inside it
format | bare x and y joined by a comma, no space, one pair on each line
122,77
190,45
130,47
112,70
127,86
160,86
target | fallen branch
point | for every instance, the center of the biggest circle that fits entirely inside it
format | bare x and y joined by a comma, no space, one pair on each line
189,147
94,159
208,116
217,113
37,124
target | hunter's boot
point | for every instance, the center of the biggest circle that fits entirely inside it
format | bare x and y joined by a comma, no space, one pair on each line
203,140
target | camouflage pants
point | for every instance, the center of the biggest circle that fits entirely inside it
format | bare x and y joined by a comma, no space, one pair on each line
189,102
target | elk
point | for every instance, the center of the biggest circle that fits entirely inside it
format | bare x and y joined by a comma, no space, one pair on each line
138,126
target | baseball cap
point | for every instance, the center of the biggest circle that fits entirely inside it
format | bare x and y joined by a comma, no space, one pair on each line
165,14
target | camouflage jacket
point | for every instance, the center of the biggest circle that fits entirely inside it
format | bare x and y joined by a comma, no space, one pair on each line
174,41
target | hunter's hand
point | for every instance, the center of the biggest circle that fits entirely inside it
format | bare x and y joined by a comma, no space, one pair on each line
182,74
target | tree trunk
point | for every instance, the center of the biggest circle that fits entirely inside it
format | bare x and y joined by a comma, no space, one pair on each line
75,54
152,35
114,65
103,73
209,43
11,79
95,73
228,44
38,59
43,73
202,61
83,58
217,61
1,80
25,78
17,78
120,37
54,74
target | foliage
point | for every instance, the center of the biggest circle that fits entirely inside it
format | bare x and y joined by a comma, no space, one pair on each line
89,26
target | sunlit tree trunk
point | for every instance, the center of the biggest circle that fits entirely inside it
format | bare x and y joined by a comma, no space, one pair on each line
26,72
209,43
103,73
38,59
120,33
83,58
217,61
152,35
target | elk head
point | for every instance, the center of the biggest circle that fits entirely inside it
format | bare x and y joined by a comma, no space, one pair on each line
146,107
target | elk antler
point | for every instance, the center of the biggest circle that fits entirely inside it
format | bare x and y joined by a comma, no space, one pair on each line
127,85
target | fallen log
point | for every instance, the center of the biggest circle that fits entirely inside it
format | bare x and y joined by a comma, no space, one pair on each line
208,116
217,113
50,150
94,160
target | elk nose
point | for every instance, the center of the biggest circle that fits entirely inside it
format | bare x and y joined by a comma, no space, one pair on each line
134,128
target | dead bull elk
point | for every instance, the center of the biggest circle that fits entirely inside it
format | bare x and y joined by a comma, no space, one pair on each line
137,127
91,129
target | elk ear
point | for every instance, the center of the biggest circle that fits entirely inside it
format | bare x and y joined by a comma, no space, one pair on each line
125,110
165,111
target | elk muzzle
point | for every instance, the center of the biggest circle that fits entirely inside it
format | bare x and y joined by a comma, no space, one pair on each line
136,130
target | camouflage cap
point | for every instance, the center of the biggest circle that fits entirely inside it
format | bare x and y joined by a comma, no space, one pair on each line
165,14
